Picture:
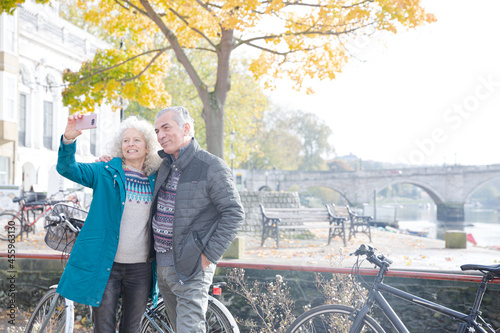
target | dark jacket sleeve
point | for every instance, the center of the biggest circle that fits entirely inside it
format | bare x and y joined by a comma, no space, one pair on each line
226,199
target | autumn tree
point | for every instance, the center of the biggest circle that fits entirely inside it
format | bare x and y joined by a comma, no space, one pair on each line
289,39
245,104
9,6
293,140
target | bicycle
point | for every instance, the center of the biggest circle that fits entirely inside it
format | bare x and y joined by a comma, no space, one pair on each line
218,318
32,209
54,313
340,318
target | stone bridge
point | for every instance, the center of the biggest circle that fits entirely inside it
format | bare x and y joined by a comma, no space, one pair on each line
449,186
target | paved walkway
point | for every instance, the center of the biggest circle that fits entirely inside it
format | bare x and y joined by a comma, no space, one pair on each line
407,252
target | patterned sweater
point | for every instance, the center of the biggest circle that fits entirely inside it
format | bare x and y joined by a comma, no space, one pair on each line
163,220
134,242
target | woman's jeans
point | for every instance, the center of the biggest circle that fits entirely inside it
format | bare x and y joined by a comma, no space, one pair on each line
133,283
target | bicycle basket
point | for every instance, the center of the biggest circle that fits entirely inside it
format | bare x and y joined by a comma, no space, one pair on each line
59,236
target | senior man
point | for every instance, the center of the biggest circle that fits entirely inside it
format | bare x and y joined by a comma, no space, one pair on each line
196,214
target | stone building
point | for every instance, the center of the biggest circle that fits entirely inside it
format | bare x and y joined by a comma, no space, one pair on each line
36,46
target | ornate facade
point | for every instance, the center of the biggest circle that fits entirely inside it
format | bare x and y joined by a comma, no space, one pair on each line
36,46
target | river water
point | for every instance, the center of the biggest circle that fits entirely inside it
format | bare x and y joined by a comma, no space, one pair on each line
420,219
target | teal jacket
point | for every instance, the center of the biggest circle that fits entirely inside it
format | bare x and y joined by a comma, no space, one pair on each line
89,266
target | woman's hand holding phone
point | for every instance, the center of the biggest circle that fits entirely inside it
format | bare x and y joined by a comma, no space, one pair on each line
71,132
77,123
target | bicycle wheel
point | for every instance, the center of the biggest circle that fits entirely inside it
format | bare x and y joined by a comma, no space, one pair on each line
216,320
56,319
155,319
331,319
10,225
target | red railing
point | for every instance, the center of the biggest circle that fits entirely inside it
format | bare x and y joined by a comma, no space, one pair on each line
403,274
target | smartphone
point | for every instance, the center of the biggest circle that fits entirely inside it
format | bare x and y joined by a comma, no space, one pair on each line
88,121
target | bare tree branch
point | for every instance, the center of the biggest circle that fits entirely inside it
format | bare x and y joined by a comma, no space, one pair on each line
194,29
301,4
131,5
103,70
145,69
179,52
268,37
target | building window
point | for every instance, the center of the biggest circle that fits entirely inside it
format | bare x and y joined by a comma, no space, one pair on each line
93,140
10,33
47,124
21,125
10,96
4,170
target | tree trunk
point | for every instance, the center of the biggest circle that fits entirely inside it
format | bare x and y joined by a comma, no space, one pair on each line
213,102
213,114
213,107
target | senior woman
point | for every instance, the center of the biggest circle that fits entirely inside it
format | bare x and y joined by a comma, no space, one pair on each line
111,254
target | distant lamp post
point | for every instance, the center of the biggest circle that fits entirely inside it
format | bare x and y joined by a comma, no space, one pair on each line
232,136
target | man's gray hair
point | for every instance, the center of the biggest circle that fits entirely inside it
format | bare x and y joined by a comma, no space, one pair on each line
181,116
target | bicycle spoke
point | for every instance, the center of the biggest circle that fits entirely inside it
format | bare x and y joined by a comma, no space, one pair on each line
216,321
53,320
330,319
157,318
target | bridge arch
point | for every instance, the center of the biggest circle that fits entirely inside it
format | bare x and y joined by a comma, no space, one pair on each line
448,186
339,190
435,196
478,185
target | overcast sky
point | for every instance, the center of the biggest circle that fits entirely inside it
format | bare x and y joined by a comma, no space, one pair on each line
429,96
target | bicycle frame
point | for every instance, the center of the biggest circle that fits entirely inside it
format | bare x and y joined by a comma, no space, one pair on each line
45,208
150,314
24,217
375,296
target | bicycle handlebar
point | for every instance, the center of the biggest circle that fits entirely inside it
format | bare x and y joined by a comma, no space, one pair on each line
61,217
55,218
368,251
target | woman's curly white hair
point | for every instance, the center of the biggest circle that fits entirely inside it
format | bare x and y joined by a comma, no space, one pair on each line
153,160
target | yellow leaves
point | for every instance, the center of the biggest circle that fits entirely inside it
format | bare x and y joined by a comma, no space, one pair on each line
112,85
129,89
296,41
261,65
117,73
275,6
357,14
407,13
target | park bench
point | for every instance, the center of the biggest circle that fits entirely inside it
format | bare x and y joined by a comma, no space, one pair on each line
357,223
276,219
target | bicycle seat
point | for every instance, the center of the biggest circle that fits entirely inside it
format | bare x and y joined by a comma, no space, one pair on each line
17,199
495,269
